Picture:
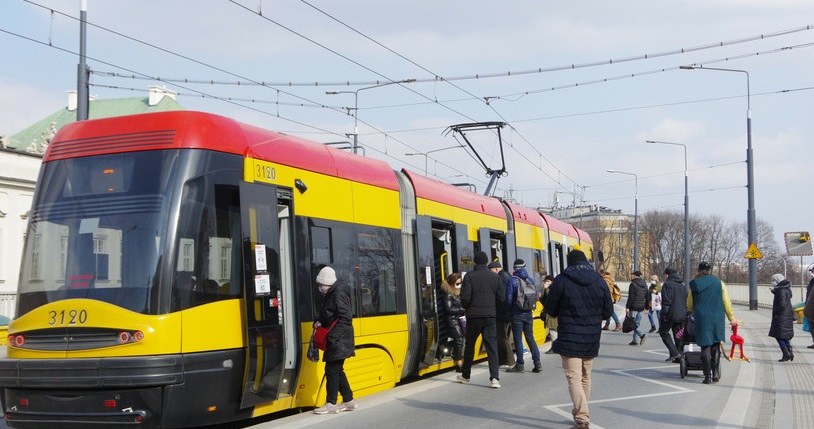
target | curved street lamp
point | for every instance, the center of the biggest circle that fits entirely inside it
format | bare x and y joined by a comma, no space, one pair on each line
356,106
686,210
751,228
635,217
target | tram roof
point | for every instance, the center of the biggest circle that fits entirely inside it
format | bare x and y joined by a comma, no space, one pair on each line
557,225
445,193
525,214
186,129
583,236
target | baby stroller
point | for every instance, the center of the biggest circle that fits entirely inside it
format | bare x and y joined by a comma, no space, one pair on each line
691,353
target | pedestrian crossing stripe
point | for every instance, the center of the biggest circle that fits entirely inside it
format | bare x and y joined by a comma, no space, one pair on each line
753,252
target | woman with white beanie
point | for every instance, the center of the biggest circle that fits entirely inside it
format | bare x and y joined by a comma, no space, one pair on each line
782,328
336,312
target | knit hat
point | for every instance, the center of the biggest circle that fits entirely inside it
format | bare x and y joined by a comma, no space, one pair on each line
704,266
669,271
481,258
494,264
576,256
326,276
777,278
519,263
637,273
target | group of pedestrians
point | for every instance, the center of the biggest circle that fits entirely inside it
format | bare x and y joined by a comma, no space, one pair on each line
493,303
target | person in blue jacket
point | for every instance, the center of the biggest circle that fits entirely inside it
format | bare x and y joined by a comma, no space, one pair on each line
522,320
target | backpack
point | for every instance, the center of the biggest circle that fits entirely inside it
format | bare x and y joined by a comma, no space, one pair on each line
526,299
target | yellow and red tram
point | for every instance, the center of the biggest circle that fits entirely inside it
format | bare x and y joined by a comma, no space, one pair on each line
167,276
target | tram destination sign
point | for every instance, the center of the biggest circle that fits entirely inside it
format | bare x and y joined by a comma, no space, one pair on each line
798,243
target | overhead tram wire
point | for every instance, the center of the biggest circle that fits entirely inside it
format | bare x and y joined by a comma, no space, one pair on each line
512,73
518,95
180,86
357,63
194,61
167,51
473,96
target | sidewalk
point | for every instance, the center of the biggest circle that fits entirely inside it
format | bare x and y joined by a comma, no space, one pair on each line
784,391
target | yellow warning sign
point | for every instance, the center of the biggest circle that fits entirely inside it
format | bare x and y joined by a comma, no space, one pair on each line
753,252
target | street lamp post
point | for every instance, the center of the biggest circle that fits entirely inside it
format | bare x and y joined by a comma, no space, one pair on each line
355,93
635,217
686,209
750,184
427,153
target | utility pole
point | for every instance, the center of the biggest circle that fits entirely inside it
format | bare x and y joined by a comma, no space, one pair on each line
82,73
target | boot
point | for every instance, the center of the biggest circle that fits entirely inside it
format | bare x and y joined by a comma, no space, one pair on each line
791,353
705,365
606,326
785,355
716,363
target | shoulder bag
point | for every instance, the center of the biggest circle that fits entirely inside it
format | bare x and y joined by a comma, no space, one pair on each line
321,336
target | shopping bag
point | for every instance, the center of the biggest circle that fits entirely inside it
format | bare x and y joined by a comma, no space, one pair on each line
806,324
629,324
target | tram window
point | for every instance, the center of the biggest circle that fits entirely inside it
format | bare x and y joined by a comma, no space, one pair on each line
377,272
334,244
208,256
321,245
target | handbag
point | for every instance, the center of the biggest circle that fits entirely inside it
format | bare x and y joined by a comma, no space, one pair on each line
321,336
313,351
629,324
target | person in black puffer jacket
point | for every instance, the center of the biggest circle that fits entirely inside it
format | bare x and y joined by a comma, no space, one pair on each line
580,300
336,310
782,328
636,304
673,312
452,302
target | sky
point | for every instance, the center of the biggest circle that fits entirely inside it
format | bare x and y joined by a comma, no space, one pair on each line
581,85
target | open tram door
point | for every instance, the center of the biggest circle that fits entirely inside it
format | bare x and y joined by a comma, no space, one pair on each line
441,248
271,337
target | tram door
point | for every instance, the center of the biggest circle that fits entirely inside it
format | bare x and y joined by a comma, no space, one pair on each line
439,253
271,352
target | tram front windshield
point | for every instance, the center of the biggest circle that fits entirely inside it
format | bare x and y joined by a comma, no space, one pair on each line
98,229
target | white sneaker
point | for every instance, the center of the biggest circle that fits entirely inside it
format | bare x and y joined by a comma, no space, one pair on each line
348,406
495,383
328,408
461,379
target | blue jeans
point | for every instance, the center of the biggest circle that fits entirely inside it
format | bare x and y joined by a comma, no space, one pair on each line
637,316
651,315
522,326
615,319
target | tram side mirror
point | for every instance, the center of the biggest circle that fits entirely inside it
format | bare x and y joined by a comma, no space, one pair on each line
300,185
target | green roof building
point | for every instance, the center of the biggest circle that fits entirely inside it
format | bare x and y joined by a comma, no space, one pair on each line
35,138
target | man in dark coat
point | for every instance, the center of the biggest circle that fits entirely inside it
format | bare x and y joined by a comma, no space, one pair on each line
636,304
503,320
580,300
673,312
480,292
